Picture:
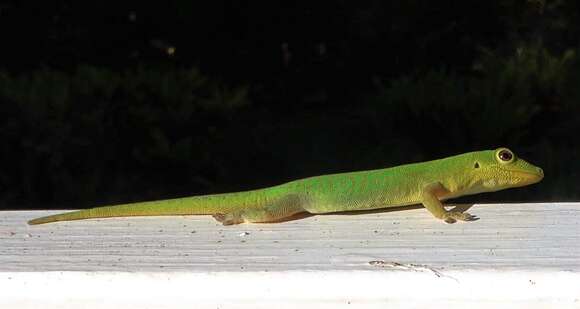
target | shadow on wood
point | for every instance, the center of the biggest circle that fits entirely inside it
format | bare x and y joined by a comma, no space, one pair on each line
460,208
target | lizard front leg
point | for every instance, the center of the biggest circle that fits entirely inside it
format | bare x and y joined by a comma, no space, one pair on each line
429,199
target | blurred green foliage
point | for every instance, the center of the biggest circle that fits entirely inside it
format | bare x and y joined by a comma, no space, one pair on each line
495,103
95,135
70,136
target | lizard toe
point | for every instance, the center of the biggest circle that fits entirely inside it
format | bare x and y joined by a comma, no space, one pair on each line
470,217
454,216
449,220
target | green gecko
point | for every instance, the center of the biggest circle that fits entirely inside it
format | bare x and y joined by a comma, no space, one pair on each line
426,183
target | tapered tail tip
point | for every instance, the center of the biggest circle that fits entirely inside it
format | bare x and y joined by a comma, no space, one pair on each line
35,222
41,220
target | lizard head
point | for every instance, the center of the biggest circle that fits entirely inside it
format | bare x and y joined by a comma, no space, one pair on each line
499,169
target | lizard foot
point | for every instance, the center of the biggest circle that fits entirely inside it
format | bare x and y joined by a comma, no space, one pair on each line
452,217
229,218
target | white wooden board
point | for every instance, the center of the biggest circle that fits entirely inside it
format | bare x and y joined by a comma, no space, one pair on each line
516,255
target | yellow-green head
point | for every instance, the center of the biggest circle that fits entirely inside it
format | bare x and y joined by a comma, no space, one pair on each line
499,169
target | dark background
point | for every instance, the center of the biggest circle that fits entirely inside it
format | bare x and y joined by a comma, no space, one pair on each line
109,102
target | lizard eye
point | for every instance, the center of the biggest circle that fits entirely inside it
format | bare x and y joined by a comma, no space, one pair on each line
505,155
476,165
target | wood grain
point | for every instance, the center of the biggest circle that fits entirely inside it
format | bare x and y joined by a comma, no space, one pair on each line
508,248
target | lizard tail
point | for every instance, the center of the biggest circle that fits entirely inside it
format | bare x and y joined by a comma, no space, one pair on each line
195,205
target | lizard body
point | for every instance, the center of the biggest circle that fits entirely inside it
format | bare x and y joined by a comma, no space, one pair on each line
426,183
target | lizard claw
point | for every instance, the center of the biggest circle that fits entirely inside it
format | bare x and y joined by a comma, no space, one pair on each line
452,217
471,217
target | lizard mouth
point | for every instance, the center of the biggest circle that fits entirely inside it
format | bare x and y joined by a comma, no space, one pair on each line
529,177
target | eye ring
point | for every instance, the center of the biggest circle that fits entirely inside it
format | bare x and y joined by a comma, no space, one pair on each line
505,155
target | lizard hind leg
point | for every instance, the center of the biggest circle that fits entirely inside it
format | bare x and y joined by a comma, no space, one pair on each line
278,210
229,218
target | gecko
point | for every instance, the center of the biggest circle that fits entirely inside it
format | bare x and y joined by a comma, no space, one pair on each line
427,183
